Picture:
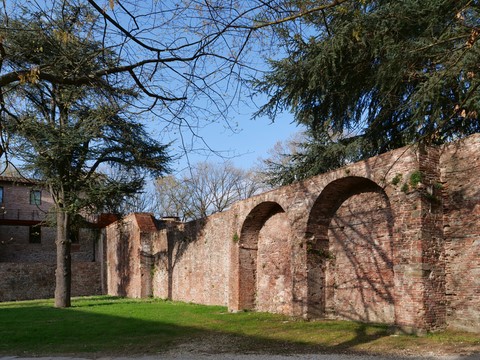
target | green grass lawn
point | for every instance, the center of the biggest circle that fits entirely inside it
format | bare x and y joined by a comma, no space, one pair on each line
125,326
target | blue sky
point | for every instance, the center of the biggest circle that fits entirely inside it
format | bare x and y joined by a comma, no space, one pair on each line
244,141
252,140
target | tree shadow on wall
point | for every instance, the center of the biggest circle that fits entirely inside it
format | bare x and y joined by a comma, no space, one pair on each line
361,272
460,192
179,239
350,252
123,256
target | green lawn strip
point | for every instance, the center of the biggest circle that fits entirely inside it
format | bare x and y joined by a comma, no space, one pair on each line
127,326
301,336
281,328
86,327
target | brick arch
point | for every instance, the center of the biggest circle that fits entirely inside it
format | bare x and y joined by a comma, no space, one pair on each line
350,252
264,231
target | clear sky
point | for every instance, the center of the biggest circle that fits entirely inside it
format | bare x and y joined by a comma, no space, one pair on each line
243,141
252,140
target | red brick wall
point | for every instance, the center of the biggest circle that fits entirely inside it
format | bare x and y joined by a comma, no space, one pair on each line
432,238
264,269
364,242
15,245
274,277
162,273
26,281
460,182
196,268
123,259
188,263
360,272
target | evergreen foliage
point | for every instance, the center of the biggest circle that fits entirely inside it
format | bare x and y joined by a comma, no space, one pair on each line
378,74
313,156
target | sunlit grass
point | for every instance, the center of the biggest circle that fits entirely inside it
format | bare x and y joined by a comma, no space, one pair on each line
127,326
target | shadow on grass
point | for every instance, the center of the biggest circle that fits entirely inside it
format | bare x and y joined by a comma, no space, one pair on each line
130,327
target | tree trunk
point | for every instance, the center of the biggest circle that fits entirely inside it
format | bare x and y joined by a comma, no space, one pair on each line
63,273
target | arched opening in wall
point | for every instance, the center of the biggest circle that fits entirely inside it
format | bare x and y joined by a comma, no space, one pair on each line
264,255
350,252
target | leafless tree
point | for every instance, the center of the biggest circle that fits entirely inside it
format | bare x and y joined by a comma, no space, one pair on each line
208,188
172,198
180,63
188,58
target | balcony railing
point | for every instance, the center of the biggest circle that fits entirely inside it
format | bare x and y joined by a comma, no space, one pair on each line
22,215
98,220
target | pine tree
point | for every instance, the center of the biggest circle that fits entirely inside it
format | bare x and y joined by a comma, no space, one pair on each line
384,73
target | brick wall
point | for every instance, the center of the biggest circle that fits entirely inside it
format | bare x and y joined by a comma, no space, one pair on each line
460,182
123,259
196,267
187,262
392,239
273,291
26,281
264,272
15,245
360,267
16,200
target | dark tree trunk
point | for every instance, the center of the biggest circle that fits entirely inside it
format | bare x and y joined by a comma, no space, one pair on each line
63,273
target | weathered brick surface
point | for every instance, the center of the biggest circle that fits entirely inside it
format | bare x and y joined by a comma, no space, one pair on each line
26,281
198,265
263,260
360,265
392,239
15,245
460,180
432,238
123,258
274,278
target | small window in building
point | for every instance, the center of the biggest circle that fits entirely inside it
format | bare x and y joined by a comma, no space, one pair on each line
1,194
74,238
35,197
35,234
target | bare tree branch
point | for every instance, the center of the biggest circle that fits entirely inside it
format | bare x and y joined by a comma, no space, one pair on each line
298,15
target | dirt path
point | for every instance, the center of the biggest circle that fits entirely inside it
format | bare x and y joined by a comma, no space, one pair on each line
197,356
